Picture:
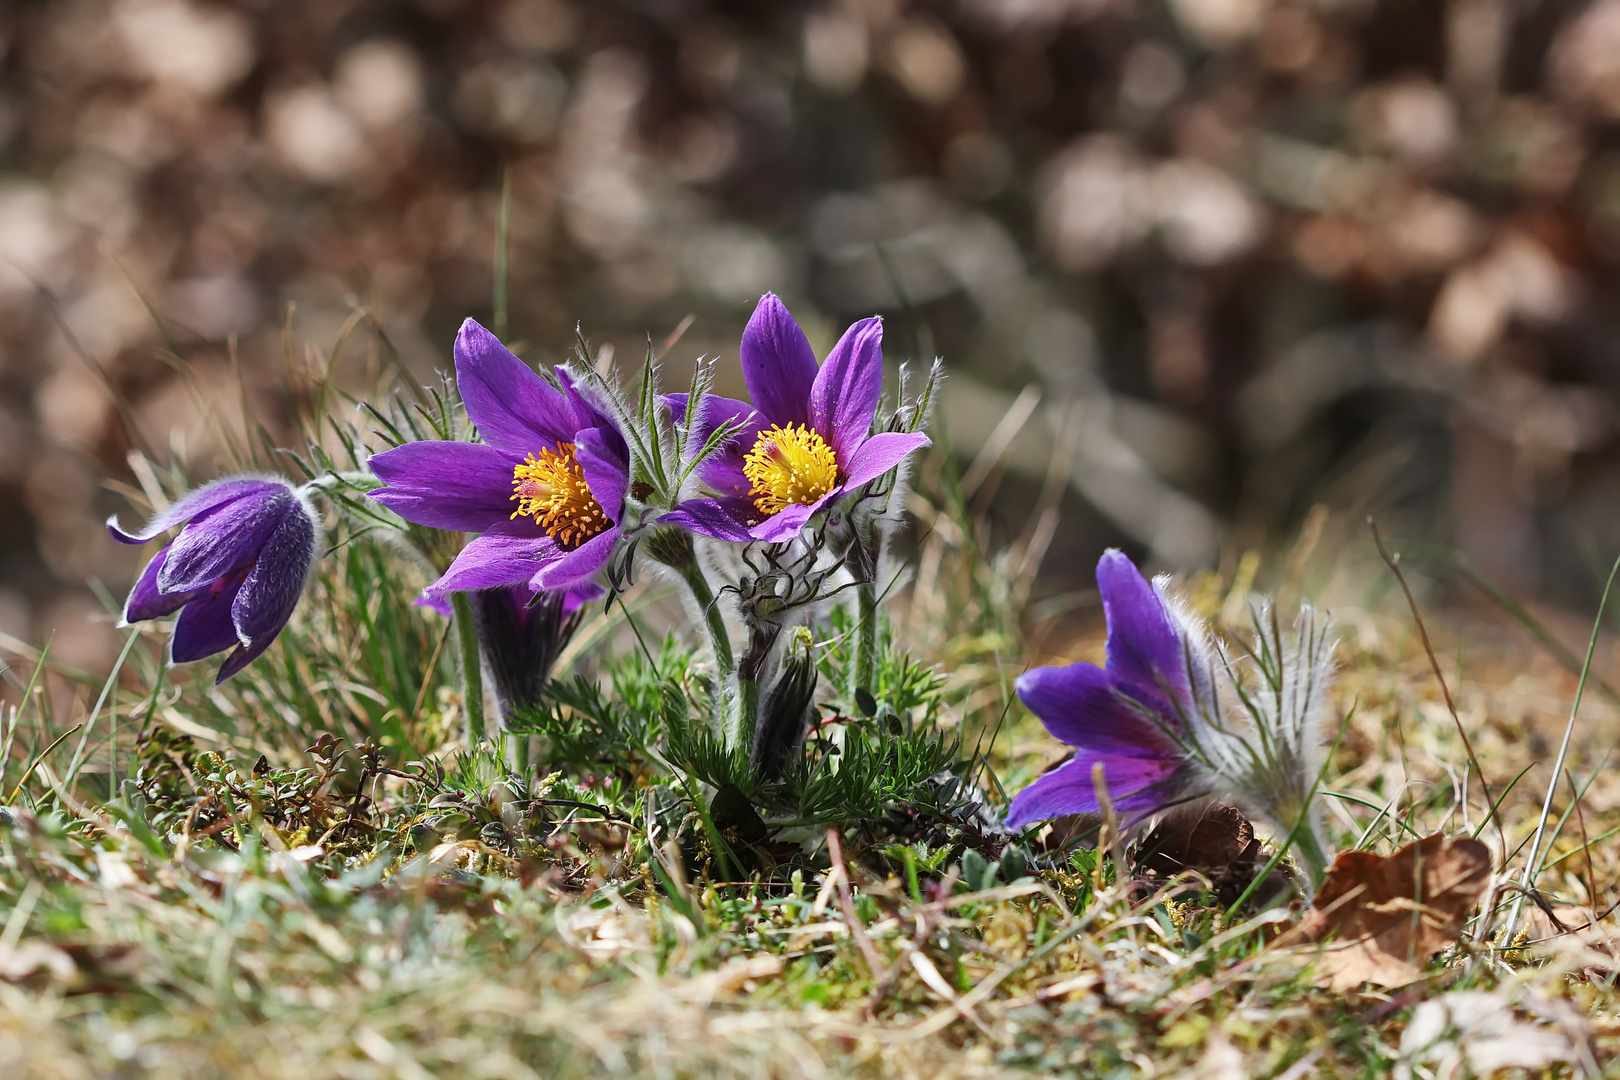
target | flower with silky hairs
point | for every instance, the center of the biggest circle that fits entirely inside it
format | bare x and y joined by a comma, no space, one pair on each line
234,572
544,490
1174,716
1129,716
806,439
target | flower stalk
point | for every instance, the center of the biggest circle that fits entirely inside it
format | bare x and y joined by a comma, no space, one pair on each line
1307,845
866,620
472,671
697,583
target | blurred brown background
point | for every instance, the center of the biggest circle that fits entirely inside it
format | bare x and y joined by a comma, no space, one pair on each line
1256,254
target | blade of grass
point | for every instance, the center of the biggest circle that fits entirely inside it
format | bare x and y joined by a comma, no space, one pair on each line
90,725
1393,562
1532,865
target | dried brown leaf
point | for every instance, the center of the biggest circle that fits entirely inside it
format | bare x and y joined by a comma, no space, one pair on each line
1382,917
1215,839
1208,840
1558,924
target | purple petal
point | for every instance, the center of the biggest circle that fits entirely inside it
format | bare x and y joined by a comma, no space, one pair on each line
515,409
786,523
676,403
146,602
728,518
507,553
574,596
879,454
1145,653
578,565
845,396
722,470
205,627
778,364
581,593
205,498
439,602
1079,706
272,588
242,656
589,414
1133,786
225,538
458,486
606,469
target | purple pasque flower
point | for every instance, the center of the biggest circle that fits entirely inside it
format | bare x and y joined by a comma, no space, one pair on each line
804,441
1135,715
235,571
544,490
522,632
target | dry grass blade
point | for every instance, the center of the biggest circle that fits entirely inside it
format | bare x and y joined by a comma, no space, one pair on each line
1393,562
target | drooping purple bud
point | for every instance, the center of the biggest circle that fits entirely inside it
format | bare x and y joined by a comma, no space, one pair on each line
234,572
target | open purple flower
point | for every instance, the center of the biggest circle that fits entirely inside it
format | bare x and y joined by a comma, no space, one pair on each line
1133,716
544,490
234,573
805,441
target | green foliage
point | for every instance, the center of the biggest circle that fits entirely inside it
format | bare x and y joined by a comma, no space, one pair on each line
359,660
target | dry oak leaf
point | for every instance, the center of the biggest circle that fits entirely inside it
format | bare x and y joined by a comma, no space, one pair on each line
1379,918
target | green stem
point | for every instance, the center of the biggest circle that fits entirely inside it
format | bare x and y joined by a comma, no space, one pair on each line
866,620
719,639
1308,846
472,671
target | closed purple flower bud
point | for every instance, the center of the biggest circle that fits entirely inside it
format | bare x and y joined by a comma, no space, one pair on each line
234,572
521,633
786,710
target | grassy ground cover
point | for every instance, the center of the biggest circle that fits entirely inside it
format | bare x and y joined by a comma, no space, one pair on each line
308,872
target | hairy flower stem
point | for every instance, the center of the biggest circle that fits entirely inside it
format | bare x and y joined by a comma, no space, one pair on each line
747,718
472,672
740,699
703,596
866,618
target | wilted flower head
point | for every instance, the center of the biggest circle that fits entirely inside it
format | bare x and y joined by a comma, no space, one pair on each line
804,441
521,633
544,490
1170,717
235,571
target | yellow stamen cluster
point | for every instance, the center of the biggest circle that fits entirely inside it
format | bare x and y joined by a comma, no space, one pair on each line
550,488
789,465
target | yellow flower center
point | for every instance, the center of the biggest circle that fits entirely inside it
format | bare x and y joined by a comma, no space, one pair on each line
789,465
551,489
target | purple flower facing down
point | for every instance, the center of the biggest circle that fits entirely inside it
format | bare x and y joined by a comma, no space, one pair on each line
804,441
1132,716
521,633
544,490
234,573
1175,716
